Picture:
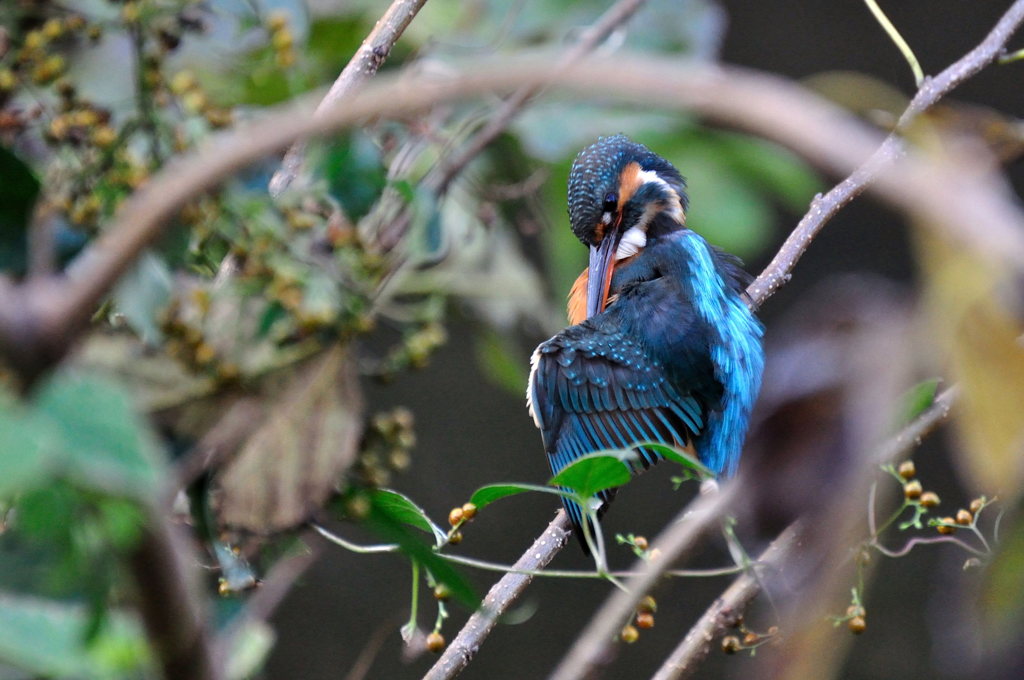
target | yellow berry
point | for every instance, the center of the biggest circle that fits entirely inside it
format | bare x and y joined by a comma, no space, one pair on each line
912,490
53,28
194,101
645,620
640,542
455,516
442,592
976,505
277,20
964,517
629,634
33,40
751,639
648,604
944,528
469,510
731,644
906,469
857,625
8,81
435,642
182,82
103,136
929,499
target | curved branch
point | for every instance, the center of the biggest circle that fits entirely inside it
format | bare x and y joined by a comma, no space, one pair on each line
40,319
363,65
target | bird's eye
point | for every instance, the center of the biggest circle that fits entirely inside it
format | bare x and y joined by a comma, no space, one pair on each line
611,202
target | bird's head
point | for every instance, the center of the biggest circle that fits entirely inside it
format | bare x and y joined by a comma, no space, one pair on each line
620,194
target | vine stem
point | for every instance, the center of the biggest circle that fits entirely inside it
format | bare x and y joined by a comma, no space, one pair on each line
895,36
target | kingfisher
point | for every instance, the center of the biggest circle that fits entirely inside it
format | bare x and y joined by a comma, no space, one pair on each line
663,346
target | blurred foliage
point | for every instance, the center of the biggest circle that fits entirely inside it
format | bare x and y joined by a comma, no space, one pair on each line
244,331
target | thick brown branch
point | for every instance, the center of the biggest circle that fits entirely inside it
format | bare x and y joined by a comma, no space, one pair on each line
173,619
499,598
363,65
54,312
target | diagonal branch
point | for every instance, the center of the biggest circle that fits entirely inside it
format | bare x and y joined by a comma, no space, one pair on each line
501,595
825,207
614,17
363,65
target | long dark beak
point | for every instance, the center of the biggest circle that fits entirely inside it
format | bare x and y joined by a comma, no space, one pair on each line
599,272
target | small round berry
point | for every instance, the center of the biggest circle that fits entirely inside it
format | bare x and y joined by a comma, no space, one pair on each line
976,505
469,510
930,499
645,620
857,625
455,516
731,644
455,538
912,489
944,528
907,470
629,634
964,517
751,639
640,542
648,604
442,592
435,642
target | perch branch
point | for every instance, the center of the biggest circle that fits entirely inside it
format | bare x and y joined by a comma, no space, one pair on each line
363,65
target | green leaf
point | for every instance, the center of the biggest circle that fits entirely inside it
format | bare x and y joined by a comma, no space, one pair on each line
389,523
45,638
679,456
143,293
27,449
18,191
402,508
105,443
486,495
595,472
918,398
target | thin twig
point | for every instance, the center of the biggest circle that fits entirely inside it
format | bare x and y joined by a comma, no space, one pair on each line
681,535
614,17
824,208
363,65
512,569
499,598
722,613
895,36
